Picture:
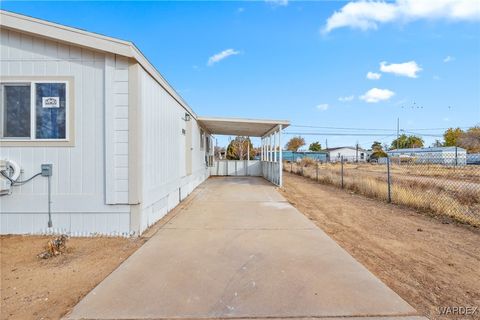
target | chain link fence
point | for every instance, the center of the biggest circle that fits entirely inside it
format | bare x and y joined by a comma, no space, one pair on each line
438,184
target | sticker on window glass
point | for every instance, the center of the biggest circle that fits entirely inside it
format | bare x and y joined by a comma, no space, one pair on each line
50,102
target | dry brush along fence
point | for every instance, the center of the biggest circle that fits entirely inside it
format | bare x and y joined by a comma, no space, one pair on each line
436,185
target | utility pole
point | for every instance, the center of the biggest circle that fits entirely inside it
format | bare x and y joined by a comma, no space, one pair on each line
327,159
398,131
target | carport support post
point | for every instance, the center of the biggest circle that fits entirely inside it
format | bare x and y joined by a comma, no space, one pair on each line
280,158
267,151
270,154
248,155
275,150
261,153
269,167
274,147
262,156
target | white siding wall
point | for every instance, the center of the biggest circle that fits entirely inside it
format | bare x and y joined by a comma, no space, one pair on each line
116,129
163,145
78,179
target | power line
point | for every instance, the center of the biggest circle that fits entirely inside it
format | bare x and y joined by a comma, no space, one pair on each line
336,134
371,129
427,129
382,139
425,134
338,128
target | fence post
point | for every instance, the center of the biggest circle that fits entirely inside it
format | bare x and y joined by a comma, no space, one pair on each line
389,199
456,156
341,166
317,172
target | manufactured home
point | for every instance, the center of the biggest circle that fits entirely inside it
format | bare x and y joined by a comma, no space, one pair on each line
435,155
295,156
350,154
93,140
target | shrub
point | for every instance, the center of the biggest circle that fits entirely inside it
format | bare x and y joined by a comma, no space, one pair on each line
307,162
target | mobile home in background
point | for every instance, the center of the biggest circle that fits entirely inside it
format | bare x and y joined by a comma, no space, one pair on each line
348,154
434,155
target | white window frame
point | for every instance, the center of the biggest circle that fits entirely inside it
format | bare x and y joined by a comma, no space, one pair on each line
20,141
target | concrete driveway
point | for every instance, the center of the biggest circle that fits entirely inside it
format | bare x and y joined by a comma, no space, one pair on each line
239,250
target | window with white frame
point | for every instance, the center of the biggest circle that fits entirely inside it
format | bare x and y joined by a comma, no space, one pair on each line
34,110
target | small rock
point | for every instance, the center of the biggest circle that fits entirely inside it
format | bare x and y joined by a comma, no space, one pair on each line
419,229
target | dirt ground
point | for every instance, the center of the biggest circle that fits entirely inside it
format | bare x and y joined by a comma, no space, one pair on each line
33,288
430,263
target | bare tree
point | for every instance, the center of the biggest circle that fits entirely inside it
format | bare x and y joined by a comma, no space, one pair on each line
240,148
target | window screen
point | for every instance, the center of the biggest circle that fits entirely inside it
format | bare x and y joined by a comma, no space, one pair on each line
50,110
16,110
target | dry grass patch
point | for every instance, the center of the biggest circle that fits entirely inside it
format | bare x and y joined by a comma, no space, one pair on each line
429,263
434,189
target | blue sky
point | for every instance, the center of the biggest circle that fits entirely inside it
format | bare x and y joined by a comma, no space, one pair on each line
295,60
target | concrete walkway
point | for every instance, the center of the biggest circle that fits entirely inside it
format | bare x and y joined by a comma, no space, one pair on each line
239,250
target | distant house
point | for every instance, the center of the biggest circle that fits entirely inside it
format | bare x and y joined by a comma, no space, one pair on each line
440,155
350,154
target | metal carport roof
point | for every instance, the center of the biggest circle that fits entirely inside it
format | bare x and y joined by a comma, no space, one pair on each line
240,127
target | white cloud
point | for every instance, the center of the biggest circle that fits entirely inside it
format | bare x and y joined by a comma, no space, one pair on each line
240,10
282,3
323,107
221,55
366,15
373,75
448,59
407,69
375,95
346,99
